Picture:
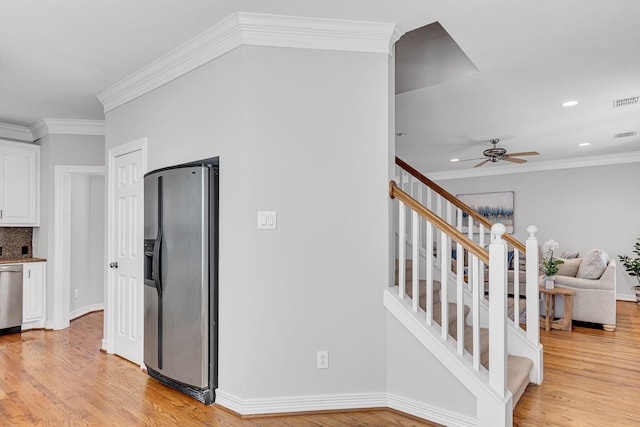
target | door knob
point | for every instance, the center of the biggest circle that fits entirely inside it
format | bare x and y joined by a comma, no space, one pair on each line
113,265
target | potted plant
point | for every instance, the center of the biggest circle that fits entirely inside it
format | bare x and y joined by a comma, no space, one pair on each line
549,264
632,265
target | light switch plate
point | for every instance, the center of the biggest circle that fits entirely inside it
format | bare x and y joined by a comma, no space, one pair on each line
267,220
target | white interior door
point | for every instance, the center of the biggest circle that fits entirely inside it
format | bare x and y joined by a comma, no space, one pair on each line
124,310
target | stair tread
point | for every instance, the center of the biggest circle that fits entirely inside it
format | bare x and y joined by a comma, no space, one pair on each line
518,370
422,291
468,342
453,314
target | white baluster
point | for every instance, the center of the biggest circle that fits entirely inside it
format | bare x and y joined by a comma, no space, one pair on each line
481,241
438,235
516,287
533,309
415,261
475,266
445,268
402,263
470,236
429,266
498,311
460,296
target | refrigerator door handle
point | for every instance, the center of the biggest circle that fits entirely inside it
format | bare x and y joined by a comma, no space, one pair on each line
157,262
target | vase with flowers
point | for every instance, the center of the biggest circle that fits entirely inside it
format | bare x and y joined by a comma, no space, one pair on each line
550,265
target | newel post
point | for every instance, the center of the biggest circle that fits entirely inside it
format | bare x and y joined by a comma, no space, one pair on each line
532,267
498,310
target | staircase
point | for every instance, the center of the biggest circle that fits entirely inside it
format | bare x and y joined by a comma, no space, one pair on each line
449,278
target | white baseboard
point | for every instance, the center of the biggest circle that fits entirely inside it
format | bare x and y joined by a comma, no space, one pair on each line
38,324
626,297
300,403
85,310
49,324
428,412
341,402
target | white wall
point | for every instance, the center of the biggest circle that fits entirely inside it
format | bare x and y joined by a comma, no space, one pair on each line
67,150
86,238
415,374
304,133
581,208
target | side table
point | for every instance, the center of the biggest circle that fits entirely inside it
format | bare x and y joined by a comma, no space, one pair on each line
550,303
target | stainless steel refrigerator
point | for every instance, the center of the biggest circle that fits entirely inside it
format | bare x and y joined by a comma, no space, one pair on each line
181,277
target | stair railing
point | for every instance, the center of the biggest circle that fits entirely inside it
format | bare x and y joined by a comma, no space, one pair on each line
423,218
454,211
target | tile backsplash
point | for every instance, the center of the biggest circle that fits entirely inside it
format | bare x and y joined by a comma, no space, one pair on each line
16,242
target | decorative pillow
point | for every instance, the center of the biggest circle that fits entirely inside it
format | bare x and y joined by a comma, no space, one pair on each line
565,255
570,267
593,264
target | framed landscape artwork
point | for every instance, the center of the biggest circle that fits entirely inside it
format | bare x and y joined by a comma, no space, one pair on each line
496,207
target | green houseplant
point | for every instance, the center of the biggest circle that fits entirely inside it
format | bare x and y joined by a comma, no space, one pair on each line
632,265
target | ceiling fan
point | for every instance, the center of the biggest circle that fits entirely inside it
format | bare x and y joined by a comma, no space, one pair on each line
495,154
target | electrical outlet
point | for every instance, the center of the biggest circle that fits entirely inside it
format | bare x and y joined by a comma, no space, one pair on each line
75,293
323,359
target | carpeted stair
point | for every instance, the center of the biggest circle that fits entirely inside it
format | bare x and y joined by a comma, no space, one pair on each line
518,368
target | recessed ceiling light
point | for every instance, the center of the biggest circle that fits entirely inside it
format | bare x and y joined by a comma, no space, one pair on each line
584,144
455,160
569,103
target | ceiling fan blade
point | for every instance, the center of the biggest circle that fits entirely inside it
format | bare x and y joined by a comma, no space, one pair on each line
526,153
468,160
481,163
514,160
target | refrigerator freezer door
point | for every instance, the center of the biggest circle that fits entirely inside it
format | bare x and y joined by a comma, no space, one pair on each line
184,271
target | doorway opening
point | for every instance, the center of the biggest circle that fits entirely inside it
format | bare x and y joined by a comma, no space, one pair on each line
79,253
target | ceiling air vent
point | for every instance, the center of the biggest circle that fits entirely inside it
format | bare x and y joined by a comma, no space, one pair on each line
623,134
625,102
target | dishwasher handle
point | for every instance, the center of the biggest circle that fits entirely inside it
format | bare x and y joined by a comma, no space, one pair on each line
11,269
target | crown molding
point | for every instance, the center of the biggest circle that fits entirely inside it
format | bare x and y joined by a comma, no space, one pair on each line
578,162
317,33
252,29
67,127
10,131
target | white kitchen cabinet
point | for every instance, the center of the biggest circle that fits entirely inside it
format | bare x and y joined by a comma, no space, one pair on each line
33,294
19,184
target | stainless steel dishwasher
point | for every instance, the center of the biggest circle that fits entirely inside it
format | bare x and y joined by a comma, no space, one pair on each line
10,298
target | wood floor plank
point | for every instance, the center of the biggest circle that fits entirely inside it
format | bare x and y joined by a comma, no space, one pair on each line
61,378
591,376
55,378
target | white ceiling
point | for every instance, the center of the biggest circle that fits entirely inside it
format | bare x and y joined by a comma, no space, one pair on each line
530,56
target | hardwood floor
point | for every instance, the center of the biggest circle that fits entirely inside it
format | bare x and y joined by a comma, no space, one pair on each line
591,377
62,379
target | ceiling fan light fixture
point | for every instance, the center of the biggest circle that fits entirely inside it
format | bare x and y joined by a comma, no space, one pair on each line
571,103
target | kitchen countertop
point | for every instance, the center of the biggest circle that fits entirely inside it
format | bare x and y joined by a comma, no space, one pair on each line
20,260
